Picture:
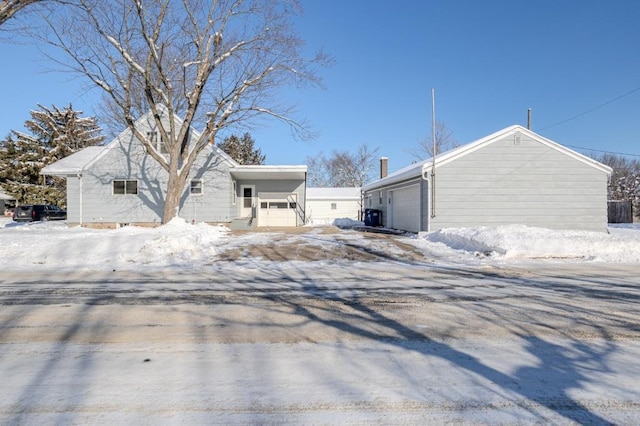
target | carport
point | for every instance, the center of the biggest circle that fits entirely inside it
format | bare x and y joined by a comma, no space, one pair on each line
277,193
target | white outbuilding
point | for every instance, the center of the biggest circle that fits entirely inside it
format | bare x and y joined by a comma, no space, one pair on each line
327,204
513,176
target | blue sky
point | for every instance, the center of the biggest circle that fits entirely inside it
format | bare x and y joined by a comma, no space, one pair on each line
488,61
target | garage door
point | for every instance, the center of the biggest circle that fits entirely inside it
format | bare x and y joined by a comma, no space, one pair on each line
277,209
405,212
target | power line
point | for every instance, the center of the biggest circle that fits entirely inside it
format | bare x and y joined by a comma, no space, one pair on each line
604,152
592,109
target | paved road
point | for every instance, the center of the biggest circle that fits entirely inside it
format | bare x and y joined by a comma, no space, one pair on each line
384,342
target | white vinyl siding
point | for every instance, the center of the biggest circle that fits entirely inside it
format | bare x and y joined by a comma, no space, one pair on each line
126,159
527,183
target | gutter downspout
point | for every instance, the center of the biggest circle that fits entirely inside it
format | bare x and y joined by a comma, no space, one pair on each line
80,177
433,166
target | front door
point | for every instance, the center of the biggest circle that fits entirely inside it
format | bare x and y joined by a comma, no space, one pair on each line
248,201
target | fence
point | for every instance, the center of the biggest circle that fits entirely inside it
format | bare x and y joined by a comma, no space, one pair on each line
620,211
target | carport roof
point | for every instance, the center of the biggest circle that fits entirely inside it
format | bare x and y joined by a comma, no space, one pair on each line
269,172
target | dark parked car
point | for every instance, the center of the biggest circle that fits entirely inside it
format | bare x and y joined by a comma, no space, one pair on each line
34,212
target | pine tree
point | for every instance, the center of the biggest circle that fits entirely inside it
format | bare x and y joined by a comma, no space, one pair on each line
242,150
55,134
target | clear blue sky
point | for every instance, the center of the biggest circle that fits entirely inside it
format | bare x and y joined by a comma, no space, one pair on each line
488,61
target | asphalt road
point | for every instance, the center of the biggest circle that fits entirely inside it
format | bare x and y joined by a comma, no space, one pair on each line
472,318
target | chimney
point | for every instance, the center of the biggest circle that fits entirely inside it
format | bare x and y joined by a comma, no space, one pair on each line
384,167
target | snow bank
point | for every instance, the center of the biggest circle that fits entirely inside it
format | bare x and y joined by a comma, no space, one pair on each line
178,244
53,244
344,222
622,244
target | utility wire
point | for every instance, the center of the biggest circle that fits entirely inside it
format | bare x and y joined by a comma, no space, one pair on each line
604,152
592,109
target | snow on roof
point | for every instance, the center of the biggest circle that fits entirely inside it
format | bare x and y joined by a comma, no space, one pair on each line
4,196
73,164
419,168
269,171
333,193
405,173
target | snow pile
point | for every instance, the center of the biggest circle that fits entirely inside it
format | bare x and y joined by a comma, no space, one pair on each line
523,242
178,244
347,223
53,244
344,222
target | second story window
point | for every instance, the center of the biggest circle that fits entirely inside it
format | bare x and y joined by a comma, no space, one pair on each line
157,142
196,187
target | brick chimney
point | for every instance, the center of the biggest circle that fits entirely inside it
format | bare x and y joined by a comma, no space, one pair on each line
384,167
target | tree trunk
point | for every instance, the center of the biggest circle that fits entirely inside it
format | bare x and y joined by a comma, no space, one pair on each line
175,186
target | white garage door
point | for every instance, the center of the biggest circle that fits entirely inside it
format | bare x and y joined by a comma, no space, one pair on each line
405,213
277,209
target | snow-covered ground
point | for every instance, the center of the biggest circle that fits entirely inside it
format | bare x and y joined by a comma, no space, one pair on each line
429,342
53,245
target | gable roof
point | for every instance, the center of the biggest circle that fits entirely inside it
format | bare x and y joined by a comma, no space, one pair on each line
423,168
73,164
81,160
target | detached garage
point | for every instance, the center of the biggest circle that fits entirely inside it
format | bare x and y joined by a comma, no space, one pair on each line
513,176
328,204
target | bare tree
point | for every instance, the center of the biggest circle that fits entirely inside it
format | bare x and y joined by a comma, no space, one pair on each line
8,8
624,184
213,64
342,168
444,142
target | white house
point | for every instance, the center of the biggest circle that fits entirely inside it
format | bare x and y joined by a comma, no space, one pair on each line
7,202
328,204
513,176
120,184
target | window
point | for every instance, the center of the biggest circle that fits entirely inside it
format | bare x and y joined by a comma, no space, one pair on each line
234,197
157,142
196,187
125,187
380,198
369,202
334,206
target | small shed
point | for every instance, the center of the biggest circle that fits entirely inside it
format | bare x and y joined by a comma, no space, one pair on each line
513,176
328,204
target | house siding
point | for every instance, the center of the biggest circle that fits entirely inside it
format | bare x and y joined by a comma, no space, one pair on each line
73,199
526,183
127,159
321,209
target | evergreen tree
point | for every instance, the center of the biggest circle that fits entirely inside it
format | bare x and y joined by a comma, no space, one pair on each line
242,150
55,134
